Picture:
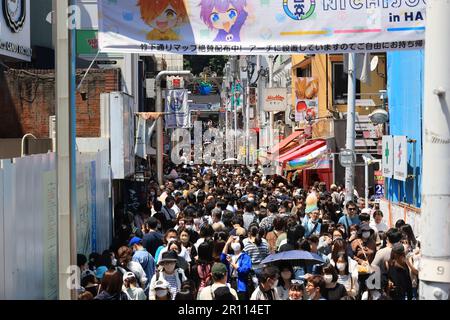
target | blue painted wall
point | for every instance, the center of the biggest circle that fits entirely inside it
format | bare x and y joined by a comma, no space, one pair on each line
405,94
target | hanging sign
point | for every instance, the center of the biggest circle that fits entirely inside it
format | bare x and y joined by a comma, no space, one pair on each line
236,27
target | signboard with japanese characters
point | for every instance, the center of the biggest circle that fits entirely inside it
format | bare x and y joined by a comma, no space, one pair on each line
388,156
274,99
237,27
400,155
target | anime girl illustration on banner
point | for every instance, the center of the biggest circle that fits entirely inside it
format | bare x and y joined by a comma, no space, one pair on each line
227,16
164,16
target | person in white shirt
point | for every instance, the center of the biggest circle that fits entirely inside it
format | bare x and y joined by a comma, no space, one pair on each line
127,265
167,271
130,288
267,288
379,226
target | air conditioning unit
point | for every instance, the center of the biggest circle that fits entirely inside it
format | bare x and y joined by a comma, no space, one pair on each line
150,88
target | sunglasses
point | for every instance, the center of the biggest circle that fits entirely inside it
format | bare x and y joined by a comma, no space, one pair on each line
351,209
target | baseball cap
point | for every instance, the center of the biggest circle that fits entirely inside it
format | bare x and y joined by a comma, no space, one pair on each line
134,240
219,268
128,275
162,284
100,272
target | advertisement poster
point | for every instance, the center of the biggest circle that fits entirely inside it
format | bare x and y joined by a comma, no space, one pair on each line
260,26
307,99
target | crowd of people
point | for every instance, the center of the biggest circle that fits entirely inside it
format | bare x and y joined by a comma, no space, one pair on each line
205,233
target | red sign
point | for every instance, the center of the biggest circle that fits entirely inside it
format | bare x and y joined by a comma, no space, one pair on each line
379,179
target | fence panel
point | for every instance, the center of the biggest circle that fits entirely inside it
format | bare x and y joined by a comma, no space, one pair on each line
28,220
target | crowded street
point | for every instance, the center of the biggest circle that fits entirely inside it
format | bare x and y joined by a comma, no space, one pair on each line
224,150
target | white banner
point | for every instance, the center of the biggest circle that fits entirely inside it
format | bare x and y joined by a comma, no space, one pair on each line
274,99
400,158
144,134
260,26
177,109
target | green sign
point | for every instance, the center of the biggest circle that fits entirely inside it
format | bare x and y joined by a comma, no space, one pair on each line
87,42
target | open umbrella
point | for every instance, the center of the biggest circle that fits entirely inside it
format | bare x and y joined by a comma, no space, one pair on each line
294,257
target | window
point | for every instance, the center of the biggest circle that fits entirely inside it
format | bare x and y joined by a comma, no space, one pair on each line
340,84
304,72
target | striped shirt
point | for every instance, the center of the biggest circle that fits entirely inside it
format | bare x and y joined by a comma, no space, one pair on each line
172,280
257,253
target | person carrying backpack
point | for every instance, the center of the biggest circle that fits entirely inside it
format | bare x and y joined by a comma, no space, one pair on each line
220,289
167,271
127,265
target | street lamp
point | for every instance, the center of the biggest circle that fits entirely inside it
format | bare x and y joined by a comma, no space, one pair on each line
380,115
368,160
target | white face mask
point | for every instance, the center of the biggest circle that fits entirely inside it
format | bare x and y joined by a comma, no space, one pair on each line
353,233
161,293
286,275
169,267
114,262
236,246
328,278
341,266
366,234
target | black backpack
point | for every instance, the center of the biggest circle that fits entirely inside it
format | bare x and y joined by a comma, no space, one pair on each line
125,270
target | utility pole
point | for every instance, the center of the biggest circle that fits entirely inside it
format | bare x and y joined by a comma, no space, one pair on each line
434,273
271,115
65,147
350,142
159,121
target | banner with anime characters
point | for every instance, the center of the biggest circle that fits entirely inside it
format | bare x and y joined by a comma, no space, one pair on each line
260,26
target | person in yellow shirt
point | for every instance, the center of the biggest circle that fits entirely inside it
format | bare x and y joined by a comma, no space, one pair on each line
163,16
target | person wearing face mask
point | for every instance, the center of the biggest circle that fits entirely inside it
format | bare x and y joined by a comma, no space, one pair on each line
333,289
169,236
311,222
239,265
364,247
184,234
162,290
268,282
340,248
347,279
314,287
284,283
167,271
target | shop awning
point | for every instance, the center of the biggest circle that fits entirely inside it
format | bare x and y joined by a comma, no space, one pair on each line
283,143
304,150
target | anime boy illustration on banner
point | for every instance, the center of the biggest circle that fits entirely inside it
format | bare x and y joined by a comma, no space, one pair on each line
227,16
164,16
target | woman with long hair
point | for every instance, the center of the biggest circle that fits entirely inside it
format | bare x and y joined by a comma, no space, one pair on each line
256,247
201,270
111,287
399,281
345,277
